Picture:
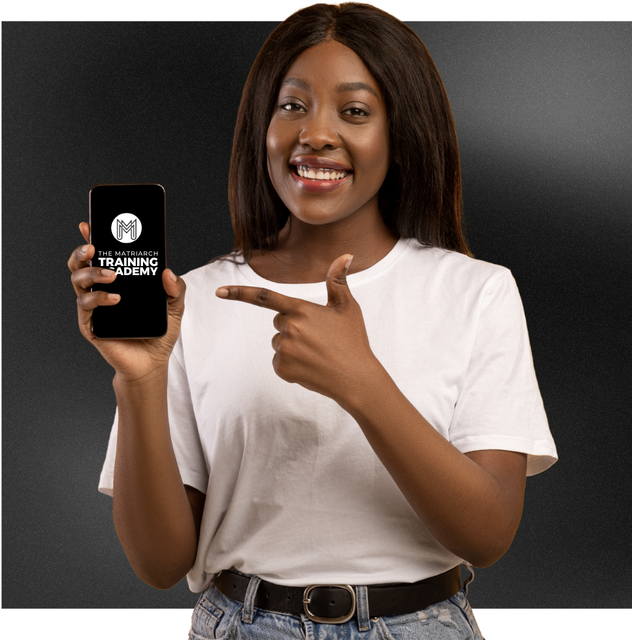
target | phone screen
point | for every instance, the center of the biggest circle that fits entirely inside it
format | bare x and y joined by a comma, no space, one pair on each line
127,229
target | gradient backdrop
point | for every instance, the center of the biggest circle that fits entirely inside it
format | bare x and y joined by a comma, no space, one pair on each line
543,115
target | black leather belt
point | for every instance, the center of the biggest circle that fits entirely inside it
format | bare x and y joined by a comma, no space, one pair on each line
334,604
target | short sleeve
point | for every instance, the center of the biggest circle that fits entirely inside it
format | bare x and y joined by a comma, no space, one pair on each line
184,433
500,406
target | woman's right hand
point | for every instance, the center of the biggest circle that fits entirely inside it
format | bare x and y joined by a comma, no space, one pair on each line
133,360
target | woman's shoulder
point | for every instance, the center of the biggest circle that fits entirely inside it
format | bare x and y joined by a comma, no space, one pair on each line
221,271
458,281
452,265
200,300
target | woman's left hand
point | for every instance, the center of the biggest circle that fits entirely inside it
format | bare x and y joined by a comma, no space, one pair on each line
323,348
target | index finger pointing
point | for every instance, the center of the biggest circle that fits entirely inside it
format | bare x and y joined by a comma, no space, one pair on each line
258,297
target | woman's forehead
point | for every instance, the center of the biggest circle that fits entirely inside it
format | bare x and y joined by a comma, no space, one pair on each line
334,64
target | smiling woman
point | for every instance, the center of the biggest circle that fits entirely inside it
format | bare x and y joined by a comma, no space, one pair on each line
328,154
398,77
352,496
345,122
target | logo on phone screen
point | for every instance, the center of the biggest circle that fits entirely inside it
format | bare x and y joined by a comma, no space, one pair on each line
126,227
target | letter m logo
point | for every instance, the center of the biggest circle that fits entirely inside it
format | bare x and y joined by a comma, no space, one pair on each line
129,227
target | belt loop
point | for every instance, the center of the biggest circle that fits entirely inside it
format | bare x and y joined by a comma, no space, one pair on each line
308,627
249,600
362,608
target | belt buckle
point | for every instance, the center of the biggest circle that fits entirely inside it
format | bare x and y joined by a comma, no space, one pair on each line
339,620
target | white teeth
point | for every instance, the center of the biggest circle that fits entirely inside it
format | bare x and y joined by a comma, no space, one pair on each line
320,174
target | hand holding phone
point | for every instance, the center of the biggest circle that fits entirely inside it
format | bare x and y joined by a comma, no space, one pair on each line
132,359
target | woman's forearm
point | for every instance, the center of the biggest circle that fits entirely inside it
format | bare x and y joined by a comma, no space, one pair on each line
472,510
152,514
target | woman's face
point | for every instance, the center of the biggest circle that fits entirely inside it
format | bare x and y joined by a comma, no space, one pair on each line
327,141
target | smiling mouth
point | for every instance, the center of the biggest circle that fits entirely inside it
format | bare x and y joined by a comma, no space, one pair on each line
320,173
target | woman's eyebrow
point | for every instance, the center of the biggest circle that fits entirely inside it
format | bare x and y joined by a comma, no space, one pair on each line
356,86
341,88
296,82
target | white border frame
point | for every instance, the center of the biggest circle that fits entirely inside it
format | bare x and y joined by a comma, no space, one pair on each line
170,624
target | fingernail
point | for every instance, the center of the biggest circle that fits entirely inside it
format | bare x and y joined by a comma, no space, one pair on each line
348,264
84,249
174,277
113,296
222,293
106,272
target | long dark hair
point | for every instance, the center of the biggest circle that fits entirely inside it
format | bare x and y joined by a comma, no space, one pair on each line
421,195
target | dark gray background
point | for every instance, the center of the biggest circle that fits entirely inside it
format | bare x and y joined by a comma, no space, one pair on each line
543,115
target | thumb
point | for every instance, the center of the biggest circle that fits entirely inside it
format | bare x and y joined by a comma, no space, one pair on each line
84,227
174,287
337,289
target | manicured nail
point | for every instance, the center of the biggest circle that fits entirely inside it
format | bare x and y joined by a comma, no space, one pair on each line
348,264
222,293
113,296
106,272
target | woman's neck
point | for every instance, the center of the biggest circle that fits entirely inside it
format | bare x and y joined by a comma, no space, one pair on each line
305,252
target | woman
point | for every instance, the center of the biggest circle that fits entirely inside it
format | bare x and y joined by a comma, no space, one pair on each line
343,504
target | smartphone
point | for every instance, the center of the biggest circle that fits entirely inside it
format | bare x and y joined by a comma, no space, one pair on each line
128,231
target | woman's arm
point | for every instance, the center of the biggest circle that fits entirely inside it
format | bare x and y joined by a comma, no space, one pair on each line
471,503
157,517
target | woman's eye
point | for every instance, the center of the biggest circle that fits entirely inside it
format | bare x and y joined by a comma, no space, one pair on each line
291,106
356,112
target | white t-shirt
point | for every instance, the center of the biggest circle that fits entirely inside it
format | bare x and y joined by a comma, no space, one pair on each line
294,492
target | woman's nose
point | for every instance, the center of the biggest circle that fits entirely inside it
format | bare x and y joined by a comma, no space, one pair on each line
319,132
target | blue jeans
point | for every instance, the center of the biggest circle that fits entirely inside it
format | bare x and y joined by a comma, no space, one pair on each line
218,616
